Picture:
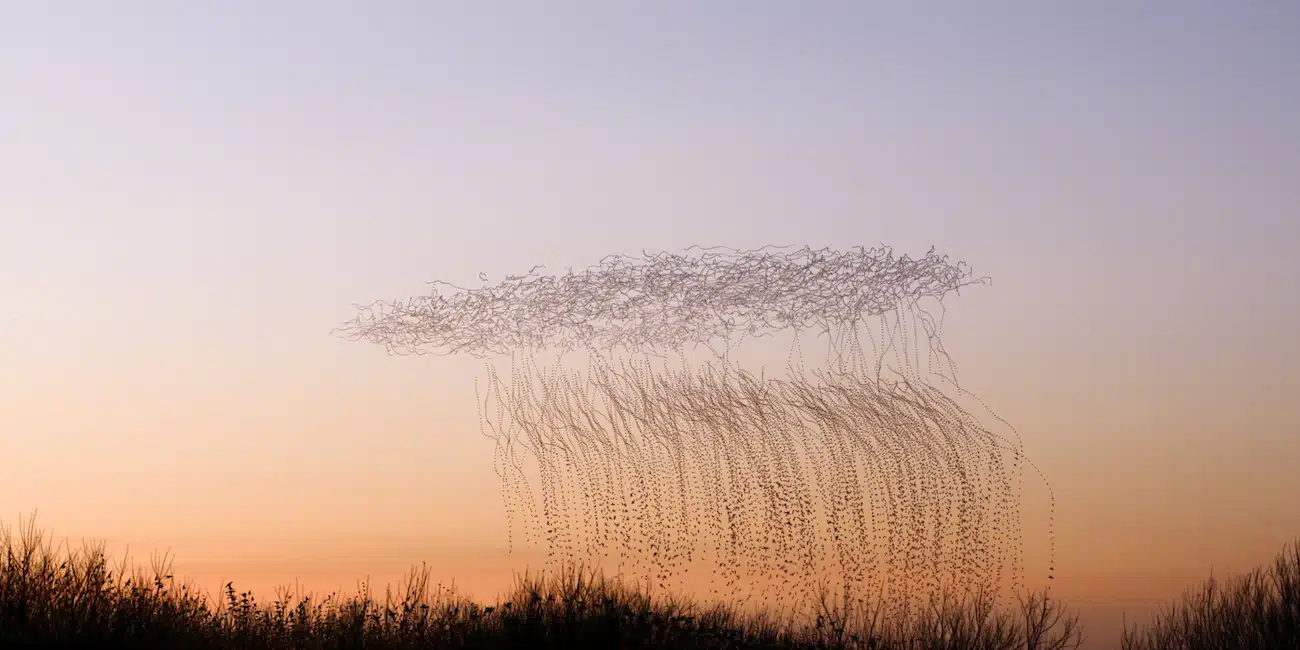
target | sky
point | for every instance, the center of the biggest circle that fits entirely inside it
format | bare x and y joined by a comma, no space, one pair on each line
193,196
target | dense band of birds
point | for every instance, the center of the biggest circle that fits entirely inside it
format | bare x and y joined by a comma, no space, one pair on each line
861,475
661,300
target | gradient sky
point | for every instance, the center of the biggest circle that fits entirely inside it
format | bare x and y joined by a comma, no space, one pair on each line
193,195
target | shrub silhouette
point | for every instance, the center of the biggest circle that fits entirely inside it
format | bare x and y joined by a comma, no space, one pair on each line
72,599
1260,609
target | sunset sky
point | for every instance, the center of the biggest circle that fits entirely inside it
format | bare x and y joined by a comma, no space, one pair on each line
192,196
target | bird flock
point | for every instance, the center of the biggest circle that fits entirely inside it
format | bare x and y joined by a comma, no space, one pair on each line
862,474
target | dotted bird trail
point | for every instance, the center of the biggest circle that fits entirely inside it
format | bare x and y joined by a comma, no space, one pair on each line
859,475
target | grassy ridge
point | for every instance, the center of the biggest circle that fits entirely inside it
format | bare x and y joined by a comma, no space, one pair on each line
76,598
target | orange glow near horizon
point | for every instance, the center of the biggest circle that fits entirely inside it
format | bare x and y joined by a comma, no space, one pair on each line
191,199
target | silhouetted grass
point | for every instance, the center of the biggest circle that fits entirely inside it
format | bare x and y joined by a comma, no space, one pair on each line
68,598
1259,610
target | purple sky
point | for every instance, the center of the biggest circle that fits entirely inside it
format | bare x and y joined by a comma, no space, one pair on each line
191,197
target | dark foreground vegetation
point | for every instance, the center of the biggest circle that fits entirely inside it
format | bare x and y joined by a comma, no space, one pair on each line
71,598
1258,610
